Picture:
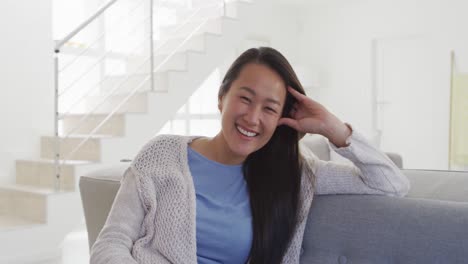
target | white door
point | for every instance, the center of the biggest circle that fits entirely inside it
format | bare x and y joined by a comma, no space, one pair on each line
413,98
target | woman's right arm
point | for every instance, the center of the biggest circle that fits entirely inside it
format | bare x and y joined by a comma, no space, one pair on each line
122,228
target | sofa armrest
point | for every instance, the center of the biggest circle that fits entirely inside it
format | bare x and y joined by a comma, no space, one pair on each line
396,158
320,147
381,229
98,190
438,184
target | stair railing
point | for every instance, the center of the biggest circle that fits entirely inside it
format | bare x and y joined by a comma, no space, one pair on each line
58,139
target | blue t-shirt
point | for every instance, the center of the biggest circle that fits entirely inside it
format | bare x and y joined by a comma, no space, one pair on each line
224,219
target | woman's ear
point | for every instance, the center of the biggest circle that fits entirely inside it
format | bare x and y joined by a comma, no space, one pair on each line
220,103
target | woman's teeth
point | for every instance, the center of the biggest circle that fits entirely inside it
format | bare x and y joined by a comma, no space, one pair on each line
245,132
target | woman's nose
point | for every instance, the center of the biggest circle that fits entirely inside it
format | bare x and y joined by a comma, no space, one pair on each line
253,116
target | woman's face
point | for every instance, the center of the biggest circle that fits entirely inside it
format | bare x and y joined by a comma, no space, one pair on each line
250,110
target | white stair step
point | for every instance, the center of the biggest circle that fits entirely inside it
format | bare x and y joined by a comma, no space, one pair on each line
120,85
105,102
140,105
234,8
75,162
114,126
90,150
42,174
11,222
38,242
28,189
101,103
24,201
176,61
180,44
202,24
230,9
161,62
94,136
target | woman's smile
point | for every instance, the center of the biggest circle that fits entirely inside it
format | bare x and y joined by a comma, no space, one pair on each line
246,132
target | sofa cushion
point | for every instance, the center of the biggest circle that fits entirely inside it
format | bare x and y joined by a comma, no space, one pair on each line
318,145
438,184
359,228
379,229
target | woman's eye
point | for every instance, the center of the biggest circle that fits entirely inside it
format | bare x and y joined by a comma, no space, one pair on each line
245,99
271,110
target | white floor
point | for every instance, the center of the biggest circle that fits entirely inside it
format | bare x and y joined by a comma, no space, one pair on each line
74,248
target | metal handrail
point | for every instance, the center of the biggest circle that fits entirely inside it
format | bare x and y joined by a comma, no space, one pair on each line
84,24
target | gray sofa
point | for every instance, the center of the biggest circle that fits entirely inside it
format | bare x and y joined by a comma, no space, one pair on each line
429,225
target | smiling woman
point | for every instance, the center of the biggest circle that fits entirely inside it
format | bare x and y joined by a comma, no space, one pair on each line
242,196
252,99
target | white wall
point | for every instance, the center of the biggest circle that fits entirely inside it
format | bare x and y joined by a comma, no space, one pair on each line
26,80
277,23
338,38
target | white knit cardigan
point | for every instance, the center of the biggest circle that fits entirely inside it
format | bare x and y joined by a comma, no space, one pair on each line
152,220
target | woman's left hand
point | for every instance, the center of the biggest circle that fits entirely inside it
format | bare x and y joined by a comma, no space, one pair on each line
309,116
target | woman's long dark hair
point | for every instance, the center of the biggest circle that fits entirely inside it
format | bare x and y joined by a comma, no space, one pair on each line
272,173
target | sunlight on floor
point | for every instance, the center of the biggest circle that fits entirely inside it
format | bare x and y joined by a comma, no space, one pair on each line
75,247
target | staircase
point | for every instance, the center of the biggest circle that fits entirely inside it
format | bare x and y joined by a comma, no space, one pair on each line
34,218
